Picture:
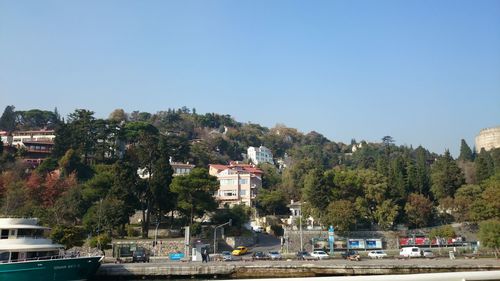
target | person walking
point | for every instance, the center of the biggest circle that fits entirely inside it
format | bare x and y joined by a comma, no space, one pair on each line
204,256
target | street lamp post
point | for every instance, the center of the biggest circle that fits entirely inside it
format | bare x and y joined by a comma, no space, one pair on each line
300,228
215,233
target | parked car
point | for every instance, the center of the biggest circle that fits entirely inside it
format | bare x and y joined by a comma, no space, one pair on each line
241,250
304,255
226,256
379,254
258,229
410,252
320,255
140,255
349,253
428,254
275,255
259,256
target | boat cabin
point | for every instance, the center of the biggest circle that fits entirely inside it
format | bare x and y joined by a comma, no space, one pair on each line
23,240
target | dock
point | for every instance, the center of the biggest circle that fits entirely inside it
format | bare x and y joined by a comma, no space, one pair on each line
280,269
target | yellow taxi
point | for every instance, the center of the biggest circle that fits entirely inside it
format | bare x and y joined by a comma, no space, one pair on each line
241,250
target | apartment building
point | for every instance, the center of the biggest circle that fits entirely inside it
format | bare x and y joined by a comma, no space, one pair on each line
260,154
239,183
20,137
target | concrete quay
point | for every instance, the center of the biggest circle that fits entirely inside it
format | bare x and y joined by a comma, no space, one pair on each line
279,269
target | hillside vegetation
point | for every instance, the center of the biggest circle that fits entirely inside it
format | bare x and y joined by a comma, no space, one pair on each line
90,184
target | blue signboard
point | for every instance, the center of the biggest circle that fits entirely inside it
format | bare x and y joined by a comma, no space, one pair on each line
331,238
373,244
176,256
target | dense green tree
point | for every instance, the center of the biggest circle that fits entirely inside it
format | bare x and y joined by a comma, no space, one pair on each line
488,235
419,210
83,133
63,141
465,152
386,213
69,236
347,185
446,177
316,191
146,149
484,166
71,163
238,214
294,176
271,179
342,215
445,231
105,216
163,200
98,187
126,184
48,165
137,116
69,209
8,119
272,202
194,193
464,198
36,119
422,171
491,197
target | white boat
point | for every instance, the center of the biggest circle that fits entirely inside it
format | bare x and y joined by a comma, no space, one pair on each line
26,254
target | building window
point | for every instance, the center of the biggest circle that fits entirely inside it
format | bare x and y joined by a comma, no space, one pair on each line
243,192
229,193
243,181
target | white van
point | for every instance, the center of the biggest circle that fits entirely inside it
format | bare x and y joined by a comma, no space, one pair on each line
410,252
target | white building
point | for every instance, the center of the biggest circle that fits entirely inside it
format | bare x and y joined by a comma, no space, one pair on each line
488,139
260,154
18,137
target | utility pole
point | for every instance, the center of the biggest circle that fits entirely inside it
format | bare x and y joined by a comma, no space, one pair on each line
301,235
215,233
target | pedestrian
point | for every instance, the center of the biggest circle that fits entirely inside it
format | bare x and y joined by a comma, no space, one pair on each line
204,255
207,256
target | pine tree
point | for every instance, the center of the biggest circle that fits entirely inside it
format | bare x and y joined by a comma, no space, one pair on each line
484,165
8,119
465,152
446,177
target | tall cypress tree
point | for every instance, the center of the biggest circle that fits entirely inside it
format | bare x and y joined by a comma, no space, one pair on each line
484,165
446,177
465,152
8,119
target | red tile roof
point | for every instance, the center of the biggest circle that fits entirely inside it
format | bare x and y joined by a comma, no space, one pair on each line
238,166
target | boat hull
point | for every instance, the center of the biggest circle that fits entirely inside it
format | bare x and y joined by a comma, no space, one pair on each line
81,268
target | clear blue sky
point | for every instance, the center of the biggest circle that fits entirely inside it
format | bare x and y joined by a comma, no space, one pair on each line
425,72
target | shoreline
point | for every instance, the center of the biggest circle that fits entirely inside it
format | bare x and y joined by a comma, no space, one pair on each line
281,269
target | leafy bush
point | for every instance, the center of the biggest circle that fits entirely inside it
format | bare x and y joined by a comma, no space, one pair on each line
101,241
68,236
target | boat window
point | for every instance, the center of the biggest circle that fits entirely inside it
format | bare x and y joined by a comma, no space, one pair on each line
14,256
4,257
5,234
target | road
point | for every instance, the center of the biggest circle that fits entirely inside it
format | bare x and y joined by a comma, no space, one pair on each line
266,243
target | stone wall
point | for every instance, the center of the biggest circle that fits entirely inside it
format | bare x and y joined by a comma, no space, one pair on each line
163,248
235,241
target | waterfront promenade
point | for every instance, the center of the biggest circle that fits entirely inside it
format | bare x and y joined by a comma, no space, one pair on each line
279,269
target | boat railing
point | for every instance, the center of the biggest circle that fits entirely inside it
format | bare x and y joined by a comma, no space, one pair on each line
53,257
31,237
